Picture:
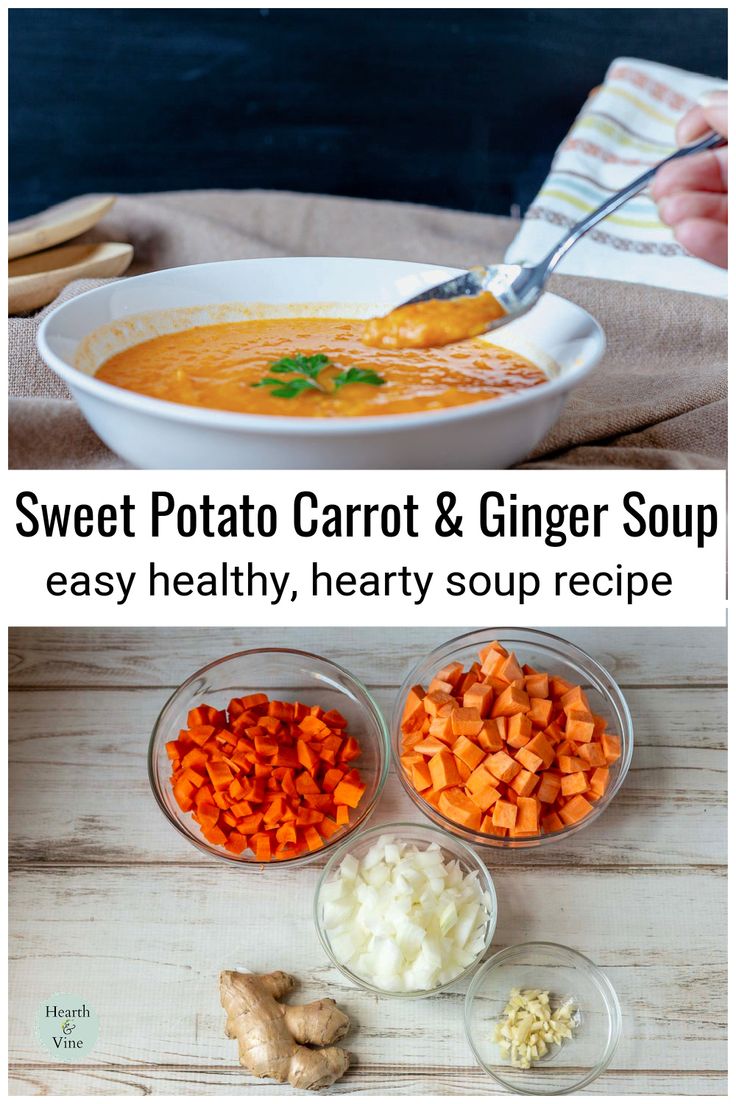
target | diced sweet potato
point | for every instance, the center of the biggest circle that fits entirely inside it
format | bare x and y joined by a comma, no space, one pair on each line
502,766
504,814
510,701
466,722
528,759
576,809
580,732
527,817
492,735
456,805
540,750
468,752
599,781
524,783
611,747
519,730
592,754
480,697
443,770
573,784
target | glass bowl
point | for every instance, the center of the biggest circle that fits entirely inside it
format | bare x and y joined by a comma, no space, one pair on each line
422,835
546,652
564,973
287,675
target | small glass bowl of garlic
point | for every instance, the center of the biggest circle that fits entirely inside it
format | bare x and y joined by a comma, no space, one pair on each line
542,1019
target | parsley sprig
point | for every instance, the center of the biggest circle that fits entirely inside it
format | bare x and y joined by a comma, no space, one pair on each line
305,372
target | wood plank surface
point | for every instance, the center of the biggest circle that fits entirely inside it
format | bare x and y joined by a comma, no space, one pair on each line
107,899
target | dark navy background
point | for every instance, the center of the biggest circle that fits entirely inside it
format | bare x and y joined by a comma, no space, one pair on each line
461,108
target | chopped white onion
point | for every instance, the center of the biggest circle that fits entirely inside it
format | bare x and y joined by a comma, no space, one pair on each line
404,919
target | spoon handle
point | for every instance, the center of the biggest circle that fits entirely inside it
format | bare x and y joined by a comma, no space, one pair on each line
615,201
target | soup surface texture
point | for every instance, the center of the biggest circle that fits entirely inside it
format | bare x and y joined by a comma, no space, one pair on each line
218,366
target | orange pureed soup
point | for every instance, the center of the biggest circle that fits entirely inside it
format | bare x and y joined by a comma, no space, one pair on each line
217,366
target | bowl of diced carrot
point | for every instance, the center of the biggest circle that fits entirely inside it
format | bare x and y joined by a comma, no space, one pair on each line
511,737
269,756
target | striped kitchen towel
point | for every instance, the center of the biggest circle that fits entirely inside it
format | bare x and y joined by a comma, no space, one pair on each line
626,126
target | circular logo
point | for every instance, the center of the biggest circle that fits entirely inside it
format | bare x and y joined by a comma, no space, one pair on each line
67,1027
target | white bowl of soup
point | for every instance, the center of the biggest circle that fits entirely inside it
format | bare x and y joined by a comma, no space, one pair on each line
195,368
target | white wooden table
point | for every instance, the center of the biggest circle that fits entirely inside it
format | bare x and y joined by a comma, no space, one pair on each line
107,901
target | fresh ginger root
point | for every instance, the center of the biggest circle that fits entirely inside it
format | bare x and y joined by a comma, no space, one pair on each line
287,1042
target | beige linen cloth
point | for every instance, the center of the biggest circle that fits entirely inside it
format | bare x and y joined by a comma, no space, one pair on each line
657,400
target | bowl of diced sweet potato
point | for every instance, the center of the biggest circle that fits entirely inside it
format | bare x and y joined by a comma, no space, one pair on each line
268,756
511,737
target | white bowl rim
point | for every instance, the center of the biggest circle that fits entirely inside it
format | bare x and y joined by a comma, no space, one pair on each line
266,423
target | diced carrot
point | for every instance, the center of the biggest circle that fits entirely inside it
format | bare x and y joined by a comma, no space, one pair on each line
236,843
350,750
260,844
313,838
348,793
331,779
184,792
342,814
214,834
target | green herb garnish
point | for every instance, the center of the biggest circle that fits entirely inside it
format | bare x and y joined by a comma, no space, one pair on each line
357,375
305,371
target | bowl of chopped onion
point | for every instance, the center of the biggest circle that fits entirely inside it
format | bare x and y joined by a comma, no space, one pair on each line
405,910
542,1019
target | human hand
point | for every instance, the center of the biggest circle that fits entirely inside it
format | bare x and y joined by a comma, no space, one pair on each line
692,193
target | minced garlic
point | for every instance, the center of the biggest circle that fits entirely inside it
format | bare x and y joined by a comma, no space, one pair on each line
530,1027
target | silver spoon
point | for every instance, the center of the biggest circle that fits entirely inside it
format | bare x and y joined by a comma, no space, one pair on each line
518,287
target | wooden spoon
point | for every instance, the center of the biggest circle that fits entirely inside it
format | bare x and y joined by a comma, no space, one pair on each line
35,280
57,224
